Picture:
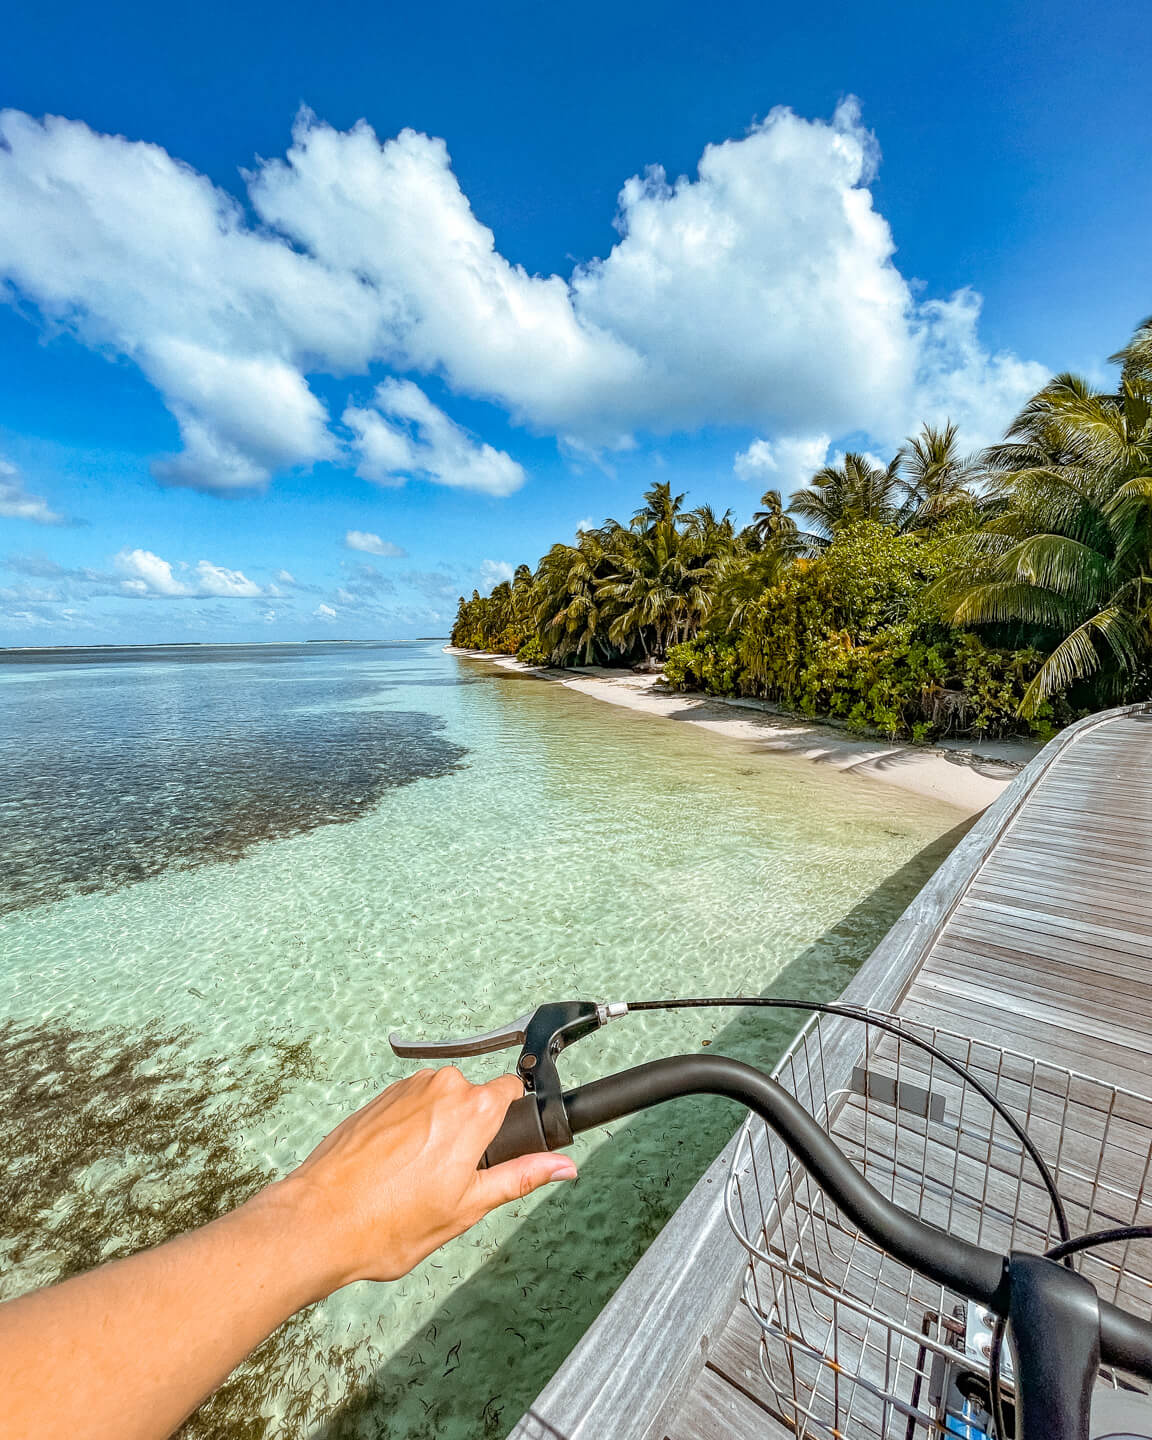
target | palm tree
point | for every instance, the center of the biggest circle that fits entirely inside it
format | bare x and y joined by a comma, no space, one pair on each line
714,535
771,524
1068,558
854,490
1136,356
568,610
936,477
660,506
660,588
740,579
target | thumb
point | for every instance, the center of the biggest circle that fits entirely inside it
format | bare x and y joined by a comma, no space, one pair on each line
515,1179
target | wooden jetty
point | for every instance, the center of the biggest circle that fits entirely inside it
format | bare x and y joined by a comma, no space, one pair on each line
1034,935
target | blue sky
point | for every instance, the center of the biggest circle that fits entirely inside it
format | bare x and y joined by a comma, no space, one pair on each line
483,317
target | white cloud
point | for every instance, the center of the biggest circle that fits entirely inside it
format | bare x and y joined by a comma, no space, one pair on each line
286,577
148,574
26,620
782,464
959,380
231,584
760,292
394,214
373,545
17,504
263,417
492,572
325,613
417,439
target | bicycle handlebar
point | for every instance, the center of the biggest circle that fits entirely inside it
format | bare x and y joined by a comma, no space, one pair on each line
978,1274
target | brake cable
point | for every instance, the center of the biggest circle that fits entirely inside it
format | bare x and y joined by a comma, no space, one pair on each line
892,1027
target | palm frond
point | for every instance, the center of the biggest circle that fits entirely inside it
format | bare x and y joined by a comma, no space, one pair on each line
1077,657
1059,563
997,601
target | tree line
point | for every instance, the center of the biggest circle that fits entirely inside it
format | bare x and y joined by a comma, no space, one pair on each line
990,594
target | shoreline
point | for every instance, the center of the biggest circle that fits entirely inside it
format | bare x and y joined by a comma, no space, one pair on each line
951,772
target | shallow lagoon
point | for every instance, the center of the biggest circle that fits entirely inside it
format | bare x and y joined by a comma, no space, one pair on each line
229,875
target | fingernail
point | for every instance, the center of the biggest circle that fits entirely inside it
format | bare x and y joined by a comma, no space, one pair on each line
563,1170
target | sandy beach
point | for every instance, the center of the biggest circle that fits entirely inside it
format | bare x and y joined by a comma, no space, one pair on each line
964,773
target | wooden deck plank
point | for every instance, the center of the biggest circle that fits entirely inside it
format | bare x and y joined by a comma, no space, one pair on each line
1049,953
1123,979
716,1410
1064,987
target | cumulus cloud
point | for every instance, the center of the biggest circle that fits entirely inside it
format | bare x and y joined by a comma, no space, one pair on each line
959,380
493,572
760,291
782,464
325,613
230,584
17,504
146,574
404,435
373,545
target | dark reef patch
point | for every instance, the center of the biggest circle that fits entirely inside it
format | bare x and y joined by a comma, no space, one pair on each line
115,1141
124,771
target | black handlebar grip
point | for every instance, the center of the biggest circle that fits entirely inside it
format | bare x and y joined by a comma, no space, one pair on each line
522,1133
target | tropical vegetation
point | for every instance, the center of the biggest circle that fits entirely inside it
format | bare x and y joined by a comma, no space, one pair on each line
934,593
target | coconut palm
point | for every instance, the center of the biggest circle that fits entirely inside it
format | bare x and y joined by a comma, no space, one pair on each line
660,506
1068,558
771,524
844,494
936,477
1136,356
714,535
740,579
568,609
660,588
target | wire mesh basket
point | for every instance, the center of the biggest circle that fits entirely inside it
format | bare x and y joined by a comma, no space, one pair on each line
852,1343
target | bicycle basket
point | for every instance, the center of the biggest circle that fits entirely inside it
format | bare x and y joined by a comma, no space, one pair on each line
852,1343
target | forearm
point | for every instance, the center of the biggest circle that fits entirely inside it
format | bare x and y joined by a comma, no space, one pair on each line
127,1351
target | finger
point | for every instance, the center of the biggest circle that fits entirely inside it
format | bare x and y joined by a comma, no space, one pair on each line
491,1102
515,1179
504,1088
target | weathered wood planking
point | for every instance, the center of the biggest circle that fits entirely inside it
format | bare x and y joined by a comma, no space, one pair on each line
1048,952
1035,934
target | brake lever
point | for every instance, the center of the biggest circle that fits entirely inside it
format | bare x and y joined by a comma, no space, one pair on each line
484,1044
542,1034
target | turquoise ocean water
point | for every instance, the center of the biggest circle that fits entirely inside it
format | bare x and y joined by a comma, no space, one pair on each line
227,873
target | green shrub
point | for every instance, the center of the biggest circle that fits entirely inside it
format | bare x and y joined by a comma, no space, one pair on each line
709,663
533,651
852,634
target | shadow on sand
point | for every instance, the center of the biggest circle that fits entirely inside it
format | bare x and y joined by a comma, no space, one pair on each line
477,1363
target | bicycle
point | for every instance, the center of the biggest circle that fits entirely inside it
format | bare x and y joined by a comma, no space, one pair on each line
1060,1331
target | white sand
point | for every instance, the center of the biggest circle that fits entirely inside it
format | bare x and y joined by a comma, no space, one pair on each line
950,771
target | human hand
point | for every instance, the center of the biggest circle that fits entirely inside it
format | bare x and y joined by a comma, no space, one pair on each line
398,1179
